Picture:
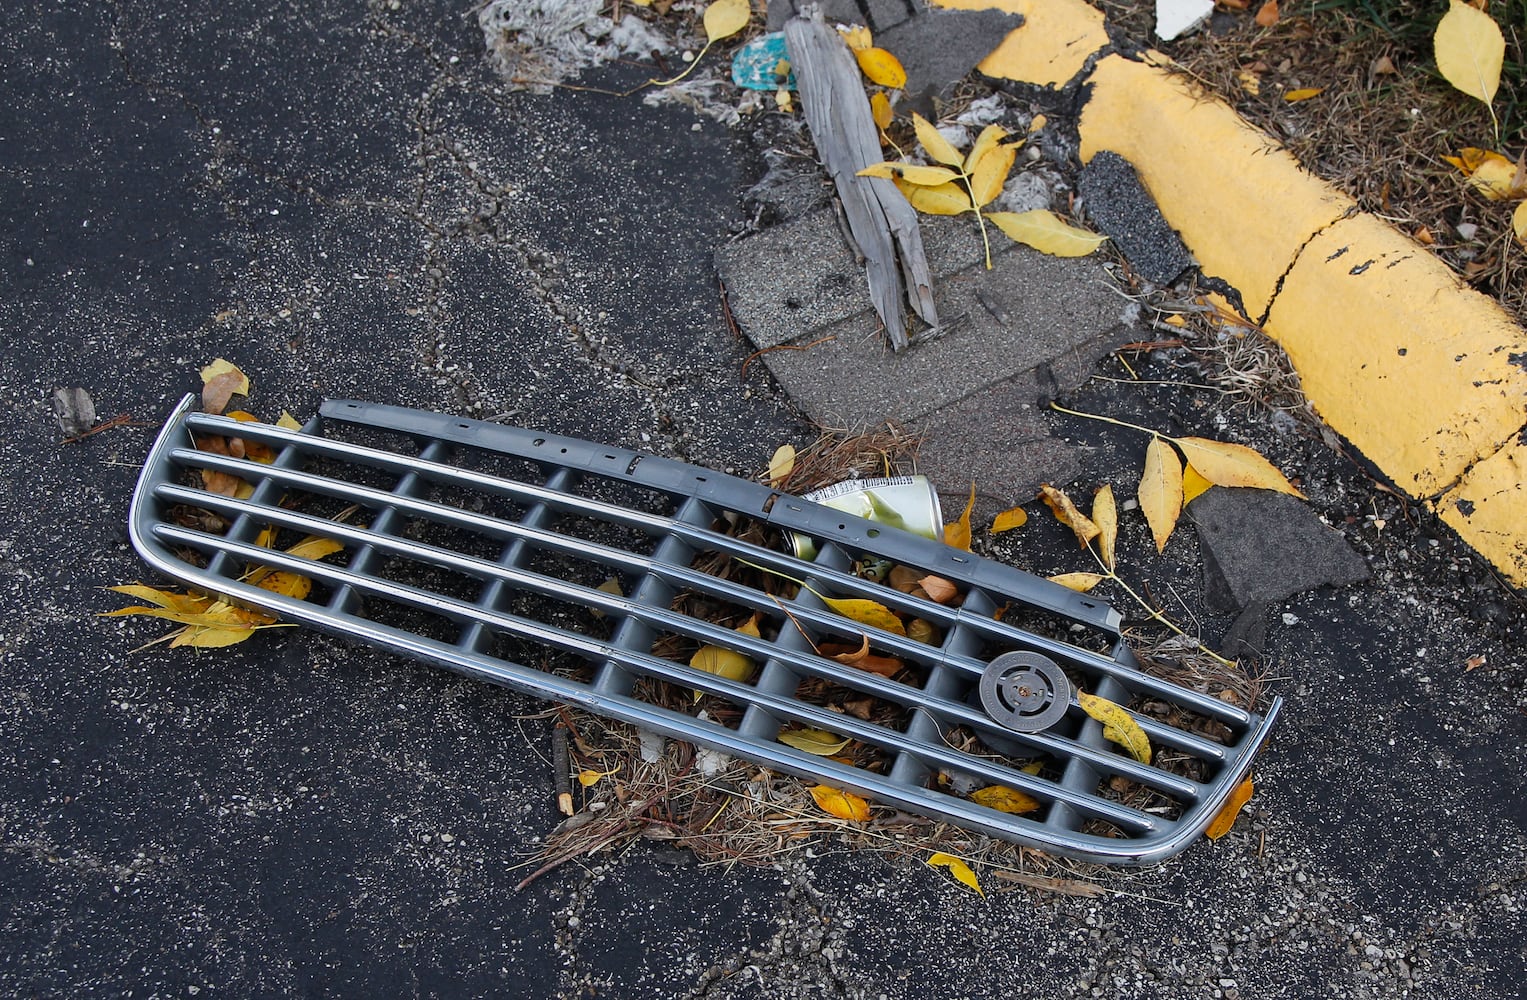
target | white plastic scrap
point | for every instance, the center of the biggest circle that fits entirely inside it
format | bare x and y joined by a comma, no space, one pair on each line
1178,17
536,44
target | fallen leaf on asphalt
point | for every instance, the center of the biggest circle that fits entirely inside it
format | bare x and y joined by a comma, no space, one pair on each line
1470,51
1046,232
1267,14
1226,464
814,741
1066,513
288,422
781,464
866,612
881,67
1013,517
205,622
912,173
1079,582
220,382
1225,818
725,18
1004,799
1302,94
1475,662
957,533
844,805
929,137
1160,493
959,869
1193,485
941,199
885,666
1118,727
1105,514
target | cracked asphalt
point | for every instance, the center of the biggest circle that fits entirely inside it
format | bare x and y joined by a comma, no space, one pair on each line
340,198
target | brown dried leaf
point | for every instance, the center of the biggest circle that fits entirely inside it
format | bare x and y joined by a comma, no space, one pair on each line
885,666
1066,513
938,589
220,382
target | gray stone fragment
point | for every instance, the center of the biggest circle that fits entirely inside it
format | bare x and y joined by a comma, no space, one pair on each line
1264,546
1114,198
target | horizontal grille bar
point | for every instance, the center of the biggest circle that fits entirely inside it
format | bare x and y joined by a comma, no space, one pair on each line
477,542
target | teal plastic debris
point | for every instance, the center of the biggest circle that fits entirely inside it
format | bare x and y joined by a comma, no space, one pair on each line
755,63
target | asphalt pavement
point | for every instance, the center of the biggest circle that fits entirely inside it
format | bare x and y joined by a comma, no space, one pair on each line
342,199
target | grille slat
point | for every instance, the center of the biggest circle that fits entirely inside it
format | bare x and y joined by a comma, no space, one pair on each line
482,538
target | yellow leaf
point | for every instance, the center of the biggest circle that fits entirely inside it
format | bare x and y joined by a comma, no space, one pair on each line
844,805
1004,799
211,638
880,67
211,618
288,422
1105,514
1302,94
1066,513
1046,232
220,382
1225,818
1037,122
985,143
1079,582
1233,465
1489,173
722,662
942,199
293,585
750,627
781,464
866,612
1470,50
938,589
991,173
725,18
1160,493
959,869
814,741
588,779
1013,517
315,547
880,110
957,533
1250,82
185,603
857,37
912,173
1193,485
1117,725
1519,223
938,147
923,631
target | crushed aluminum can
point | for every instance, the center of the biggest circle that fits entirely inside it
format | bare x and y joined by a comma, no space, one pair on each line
906,502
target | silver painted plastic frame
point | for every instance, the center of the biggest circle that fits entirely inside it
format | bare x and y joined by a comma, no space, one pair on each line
348,596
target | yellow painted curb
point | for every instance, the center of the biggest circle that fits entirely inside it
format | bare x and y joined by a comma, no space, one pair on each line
1489,508
1242,204
1052,46
1399,356
1424,375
